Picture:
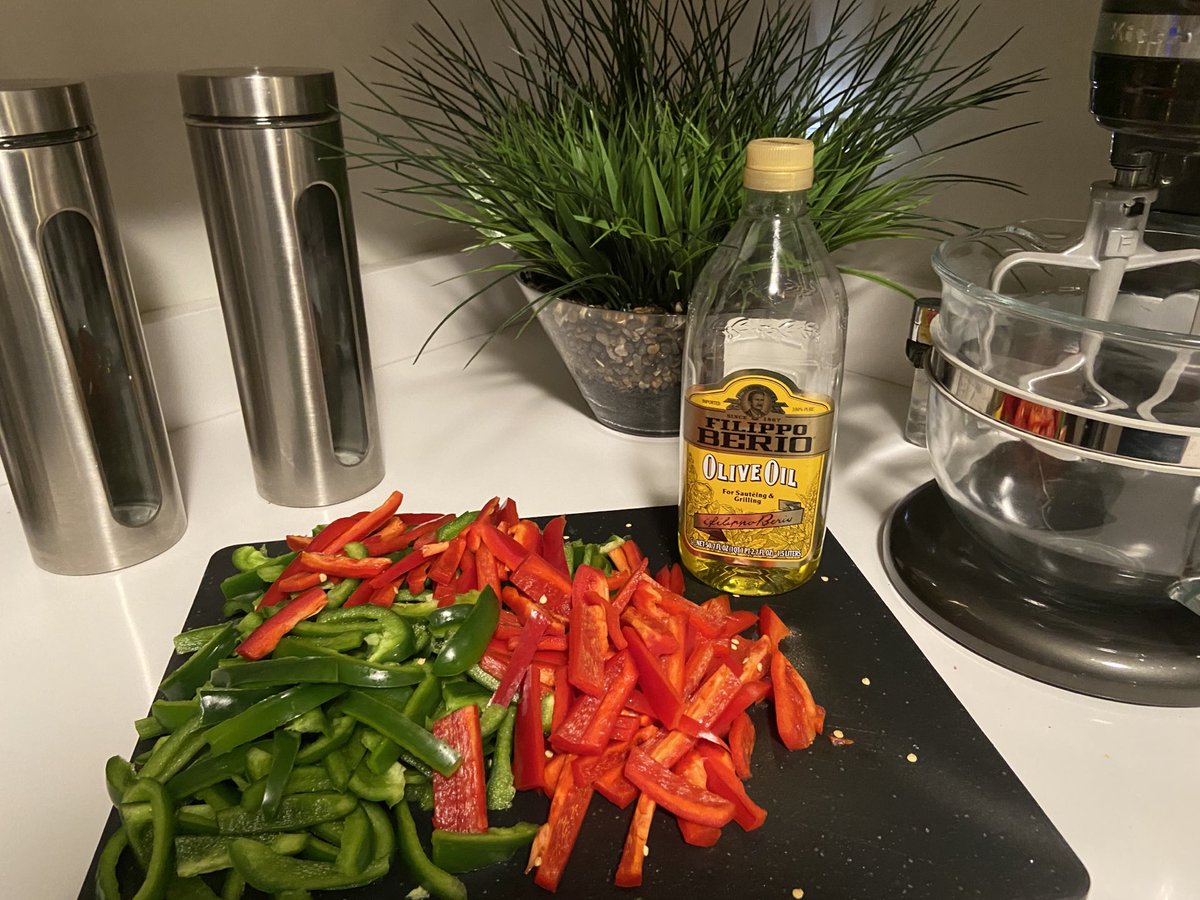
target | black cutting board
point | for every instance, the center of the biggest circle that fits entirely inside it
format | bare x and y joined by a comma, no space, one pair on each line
858,821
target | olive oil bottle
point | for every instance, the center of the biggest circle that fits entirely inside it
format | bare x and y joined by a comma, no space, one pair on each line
762,375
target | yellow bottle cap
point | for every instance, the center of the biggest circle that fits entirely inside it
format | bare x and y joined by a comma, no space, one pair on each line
779,164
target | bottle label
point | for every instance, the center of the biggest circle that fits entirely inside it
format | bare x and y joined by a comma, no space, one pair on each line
755,452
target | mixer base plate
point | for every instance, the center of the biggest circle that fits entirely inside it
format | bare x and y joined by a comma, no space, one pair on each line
1137,652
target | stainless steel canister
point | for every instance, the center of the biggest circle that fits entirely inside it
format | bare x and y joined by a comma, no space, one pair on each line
273,184
81,432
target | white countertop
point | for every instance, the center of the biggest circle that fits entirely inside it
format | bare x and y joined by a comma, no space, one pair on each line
82,655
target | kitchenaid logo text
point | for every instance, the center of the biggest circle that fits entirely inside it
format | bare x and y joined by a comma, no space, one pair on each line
1149,35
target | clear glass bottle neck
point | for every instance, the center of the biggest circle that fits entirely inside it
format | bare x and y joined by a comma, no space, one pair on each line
774,203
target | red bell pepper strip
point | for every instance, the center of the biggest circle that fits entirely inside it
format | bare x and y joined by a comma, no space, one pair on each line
396,570
697,666
741,744
554,767
707,622
507,514
528,535
301,581
691,767
367,524
485,570
506,551
713,697
719,604
633,553
444,595
536,578
616,788
265,638
468,575
556,839
633,854
460,800
626,727
748,694
673,664
444,570
552,545
587,643
660,693
621,600
415,580
590,723
796,713
771,626
529,743
562,698
653,631
298,541
737,622
361,594
493,664
589,768
342,566
321,542
522,656
674,793
384,596
723,780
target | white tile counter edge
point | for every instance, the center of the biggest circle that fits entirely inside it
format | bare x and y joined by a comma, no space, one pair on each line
83,655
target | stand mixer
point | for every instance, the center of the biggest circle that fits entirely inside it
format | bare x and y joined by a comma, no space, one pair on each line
1062,536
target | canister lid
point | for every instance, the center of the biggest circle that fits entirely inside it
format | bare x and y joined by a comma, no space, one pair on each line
256,92
32,106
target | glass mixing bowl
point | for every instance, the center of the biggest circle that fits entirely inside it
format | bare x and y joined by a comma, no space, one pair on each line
1071,446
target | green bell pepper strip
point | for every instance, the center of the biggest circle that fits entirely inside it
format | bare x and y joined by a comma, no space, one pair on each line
266,870
197,818
420,794
340,732
356,550
247,558
354,855
465,647
312,722
320,850
457,694
481,677
340,592
457,526
219,704
399,728
107,886
441,620
193,639
119,777
218,796
206,772
171,714
425,699
318,666
234,886
269,714
439,883
295,813
160,864
189,889
386,787
202,854
396,638
500,787
408,607
303,780
183,682
148,728
175,751
337,768
463,852
383,835
241,584
331,832
284,748
490,719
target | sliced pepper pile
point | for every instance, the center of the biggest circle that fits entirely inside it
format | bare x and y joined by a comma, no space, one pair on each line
448,661
648,693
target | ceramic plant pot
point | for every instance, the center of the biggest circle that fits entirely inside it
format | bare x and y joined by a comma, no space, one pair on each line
627,365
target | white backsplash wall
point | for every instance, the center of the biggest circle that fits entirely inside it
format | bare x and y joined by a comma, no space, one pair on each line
129,51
